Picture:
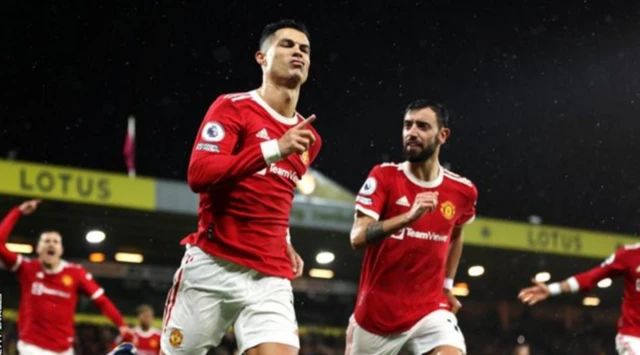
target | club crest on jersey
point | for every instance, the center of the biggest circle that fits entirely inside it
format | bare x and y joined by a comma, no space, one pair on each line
305,157
153,343
369,187
67,280
213,132
448,210
175,338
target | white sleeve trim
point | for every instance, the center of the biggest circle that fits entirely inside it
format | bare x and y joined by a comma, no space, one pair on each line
470,220
368,212
17,264
97,294
574,286
288,236
270,151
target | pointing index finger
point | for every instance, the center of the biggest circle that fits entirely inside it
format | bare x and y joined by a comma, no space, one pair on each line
306,122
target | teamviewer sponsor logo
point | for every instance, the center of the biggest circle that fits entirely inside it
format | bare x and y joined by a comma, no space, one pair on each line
39,289
412,233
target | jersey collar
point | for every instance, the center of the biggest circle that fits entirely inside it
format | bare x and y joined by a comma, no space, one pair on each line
276,116
426,184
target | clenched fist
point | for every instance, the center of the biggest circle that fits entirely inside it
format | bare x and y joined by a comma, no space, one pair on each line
424,202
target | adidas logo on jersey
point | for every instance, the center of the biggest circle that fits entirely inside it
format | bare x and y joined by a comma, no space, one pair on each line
263,134
403,201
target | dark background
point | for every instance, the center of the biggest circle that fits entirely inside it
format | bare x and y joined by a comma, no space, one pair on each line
544,94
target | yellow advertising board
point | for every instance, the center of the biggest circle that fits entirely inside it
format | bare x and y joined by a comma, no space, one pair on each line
493,233
76,185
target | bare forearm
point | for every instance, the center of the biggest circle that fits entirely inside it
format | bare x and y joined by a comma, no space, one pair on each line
372,233
453,258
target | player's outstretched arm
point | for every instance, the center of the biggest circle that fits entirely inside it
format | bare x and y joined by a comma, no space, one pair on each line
585,281
110,311
367,231
90,288
10,259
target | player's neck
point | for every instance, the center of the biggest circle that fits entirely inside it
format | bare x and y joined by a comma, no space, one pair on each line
426,171
50,266
144,328
280,98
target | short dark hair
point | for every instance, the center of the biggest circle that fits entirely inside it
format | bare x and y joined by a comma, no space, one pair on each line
442,114
273,27
47,231
143,308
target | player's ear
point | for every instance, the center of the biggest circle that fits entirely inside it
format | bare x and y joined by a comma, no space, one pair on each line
261,58
443,135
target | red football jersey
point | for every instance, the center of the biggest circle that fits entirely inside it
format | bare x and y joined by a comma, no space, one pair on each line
402,276
48,302
146,342
245,197
625,263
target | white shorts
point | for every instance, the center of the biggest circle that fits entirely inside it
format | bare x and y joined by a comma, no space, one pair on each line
627,345
210,294
30,349
439,328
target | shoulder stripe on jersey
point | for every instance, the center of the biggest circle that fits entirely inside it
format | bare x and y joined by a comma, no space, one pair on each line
238,96
458,178
632,246
469,221
368,212
97,294
17,264
387,165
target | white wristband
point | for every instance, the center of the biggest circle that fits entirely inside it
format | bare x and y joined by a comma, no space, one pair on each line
574,286
270,151
448,283
288,237
555,289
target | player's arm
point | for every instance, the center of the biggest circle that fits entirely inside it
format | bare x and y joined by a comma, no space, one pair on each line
90,288
582,282
213,160
455,248
453,257
368,231
10,259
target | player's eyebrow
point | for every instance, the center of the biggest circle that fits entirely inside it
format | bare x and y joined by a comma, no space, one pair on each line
416,121
304,46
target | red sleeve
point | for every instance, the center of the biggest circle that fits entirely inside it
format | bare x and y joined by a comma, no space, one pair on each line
316,147
90,287
611,267
214,158
11,261
109,310
372,197
469,213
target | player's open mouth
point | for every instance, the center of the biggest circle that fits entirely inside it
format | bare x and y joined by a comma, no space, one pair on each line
51,252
